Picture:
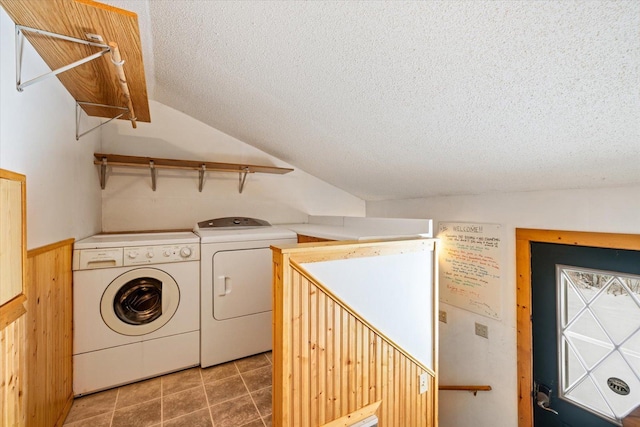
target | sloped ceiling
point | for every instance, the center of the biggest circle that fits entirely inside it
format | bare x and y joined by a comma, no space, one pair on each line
395,100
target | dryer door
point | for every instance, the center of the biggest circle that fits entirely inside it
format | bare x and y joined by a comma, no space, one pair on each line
241,282
140,301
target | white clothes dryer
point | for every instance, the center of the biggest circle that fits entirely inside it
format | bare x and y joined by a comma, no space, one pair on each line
236,273
136,308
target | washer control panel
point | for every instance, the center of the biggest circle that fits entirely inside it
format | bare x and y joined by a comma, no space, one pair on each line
137,255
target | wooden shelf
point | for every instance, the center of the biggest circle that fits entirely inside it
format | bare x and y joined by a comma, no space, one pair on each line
153,163
96,81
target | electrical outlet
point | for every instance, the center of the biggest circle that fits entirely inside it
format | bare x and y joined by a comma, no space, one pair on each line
424,383
482,330
442,316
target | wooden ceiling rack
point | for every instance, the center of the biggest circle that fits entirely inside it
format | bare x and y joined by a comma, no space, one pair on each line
66,34
105,160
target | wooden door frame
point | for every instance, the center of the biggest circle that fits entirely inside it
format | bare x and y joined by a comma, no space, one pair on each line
524,237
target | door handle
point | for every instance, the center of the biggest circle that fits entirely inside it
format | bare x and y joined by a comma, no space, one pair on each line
543,398
223,286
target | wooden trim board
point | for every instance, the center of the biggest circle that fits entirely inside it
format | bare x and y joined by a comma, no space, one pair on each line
524,237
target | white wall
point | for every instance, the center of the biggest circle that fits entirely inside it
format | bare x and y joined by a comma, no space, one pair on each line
37,139
128,202
468,359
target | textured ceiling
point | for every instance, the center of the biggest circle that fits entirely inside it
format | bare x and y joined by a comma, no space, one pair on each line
393,100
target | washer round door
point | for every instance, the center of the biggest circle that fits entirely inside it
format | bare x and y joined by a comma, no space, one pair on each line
140,301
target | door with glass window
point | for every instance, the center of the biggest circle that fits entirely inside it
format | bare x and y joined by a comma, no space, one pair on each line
586,334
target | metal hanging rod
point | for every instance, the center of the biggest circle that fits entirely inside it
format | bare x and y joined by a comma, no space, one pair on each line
116,60
93,104
20,29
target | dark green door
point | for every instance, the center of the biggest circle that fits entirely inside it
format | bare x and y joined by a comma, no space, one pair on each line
586,334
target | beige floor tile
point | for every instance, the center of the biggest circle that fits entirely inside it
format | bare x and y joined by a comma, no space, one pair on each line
139,392
219,372
201,418
103,420
252,362
92,405
269,356
234,413
226,389
142,415
184,399
183,380
262,399
183,402
254,423
258,378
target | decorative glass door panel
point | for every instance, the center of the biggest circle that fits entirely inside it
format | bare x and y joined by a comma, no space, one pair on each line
599,340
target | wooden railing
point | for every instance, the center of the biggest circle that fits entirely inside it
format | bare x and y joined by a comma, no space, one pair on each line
472,388
331,366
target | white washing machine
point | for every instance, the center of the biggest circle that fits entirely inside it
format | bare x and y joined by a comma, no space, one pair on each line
236,280
136,300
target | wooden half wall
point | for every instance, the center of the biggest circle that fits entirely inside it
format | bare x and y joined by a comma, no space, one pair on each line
331,367
49,390
36,349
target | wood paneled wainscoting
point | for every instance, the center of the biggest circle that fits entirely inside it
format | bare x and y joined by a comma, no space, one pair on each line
331,366
38,346
12,371
49,391
13,273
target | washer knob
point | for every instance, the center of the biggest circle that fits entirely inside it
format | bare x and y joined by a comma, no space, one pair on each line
185,252
167,253
132,254
150,254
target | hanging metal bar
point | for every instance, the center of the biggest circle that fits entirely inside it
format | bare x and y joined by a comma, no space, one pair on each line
19,49
93,104
242,177
201,176
154,173
103,173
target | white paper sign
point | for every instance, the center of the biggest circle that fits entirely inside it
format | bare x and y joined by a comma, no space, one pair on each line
470,264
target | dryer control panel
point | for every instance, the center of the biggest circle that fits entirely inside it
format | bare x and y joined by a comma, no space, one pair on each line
139,255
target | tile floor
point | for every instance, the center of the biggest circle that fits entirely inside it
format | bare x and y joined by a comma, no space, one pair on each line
234,394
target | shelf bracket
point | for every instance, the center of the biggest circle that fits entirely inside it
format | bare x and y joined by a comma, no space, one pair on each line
20,29
103,173
93,104
242,177
154,173
201,172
